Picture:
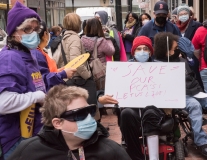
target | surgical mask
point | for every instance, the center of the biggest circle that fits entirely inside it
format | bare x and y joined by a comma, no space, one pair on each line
145,21
31,41
161,20
86,128
184,18
141,56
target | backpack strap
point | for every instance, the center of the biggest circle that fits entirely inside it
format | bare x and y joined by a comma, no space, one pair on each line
95,50
63,53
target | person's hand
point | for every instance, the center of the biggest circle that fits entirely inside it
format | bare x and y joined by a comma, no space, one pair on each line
70,72
107,99
123,35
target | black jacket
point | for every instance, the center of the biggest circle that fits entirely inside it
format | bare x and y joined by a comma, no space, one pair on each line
192,27
130,37
192,85
50,145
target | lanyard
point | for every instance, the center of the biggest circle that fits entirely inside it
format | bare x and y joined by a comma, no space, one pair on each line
81,154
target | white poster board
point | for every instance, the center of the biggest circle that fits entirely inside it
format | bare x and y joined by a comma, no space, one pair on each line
138,85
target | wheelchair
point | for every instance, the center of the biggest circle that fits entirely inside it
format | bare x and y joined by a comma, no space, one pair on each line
171,147
185,124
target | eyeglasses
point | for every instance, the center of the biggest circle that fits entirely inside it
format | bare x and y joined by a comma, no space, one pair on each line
183,14
30,29
142,48
79,114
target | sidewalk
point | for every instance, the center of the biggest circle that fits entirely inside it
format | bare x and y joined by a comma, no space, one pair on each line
110,120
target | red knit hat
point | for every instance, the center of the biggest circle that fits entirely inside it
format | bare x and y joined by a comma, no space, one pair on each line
141,40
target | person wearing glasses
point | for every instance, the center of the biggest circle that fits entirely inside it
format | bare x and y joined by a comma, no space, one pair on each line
70,130
48,68
21,83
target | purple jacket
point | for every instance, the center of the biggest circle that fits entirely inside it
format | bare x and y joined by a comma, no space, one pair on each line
19,73
49,78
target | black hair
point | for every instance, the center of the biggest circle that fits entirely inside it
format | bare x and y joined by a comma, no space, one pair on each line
134,15
160,44
84,25
43,28
140,17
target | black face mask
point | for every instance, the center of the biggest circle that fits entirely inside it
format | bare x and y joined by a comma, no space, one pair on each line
175,56
161,20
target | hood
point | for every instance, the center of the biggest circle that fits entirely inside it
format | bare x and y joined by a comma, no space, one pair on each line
104,16
186,46
55,138
89,42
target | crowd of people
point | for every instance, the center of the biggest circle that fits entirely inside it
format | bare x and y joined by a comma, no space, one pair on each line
64,106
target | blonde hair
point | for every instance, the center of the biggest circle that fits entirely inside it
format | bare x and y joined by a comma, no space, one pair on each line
72,22
57,100
25,23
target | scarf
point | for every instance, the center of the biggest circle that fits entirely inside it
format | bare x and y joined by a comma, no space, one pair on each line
129,25
182,26
50,62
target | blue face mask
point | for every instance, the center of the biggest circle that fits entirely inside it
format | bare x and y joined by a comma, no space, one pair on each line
141,56
31,41
184,18
86,128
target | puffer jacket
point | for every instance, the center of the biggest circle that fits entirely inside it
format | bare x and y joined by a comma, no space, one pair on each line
50,145
104,47
73,48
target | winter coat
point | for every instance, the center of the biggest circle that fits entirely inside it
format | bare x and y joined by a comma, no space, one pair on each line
104,47
130,37
192,27
50,145
73,48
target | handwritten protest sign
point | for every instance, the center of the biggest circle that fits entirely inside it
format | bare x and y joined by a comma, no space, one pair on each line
138,85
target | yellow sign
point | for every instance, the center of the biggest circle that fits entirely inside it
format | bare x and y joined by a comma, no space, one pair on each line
78,61
27,121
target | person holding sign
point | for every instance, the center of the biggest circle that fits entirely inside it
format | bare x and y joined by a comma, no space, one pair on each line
22,89
130,125
47,66
70,131
195,98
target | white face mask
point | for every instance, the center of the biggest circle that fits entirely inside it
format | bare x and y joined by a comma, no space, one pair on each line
145,21
184,18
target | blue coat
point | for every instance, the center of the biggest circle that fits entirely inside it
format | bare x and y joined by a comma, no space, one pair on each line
150,29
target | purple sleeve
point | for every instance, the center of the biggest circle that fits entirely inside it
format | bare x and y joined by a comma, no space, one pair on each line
12,72
50,78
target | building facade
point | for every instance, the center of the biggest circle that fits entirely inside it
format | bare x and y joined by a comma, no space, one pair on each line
55,12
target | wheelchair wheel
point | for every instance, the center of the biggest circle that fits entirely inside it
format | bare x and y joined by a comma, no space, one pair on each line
179,151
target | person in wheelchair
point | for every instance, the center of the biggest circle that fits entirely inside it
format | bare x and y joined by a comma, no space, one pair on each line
177,47
130,124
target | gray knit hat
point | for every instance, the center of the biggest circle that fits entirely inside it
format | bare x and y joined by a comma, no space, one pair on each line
183,7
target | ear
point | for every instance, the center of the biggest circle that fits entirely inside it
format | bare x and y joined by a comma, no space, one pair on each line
57,123
154,14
